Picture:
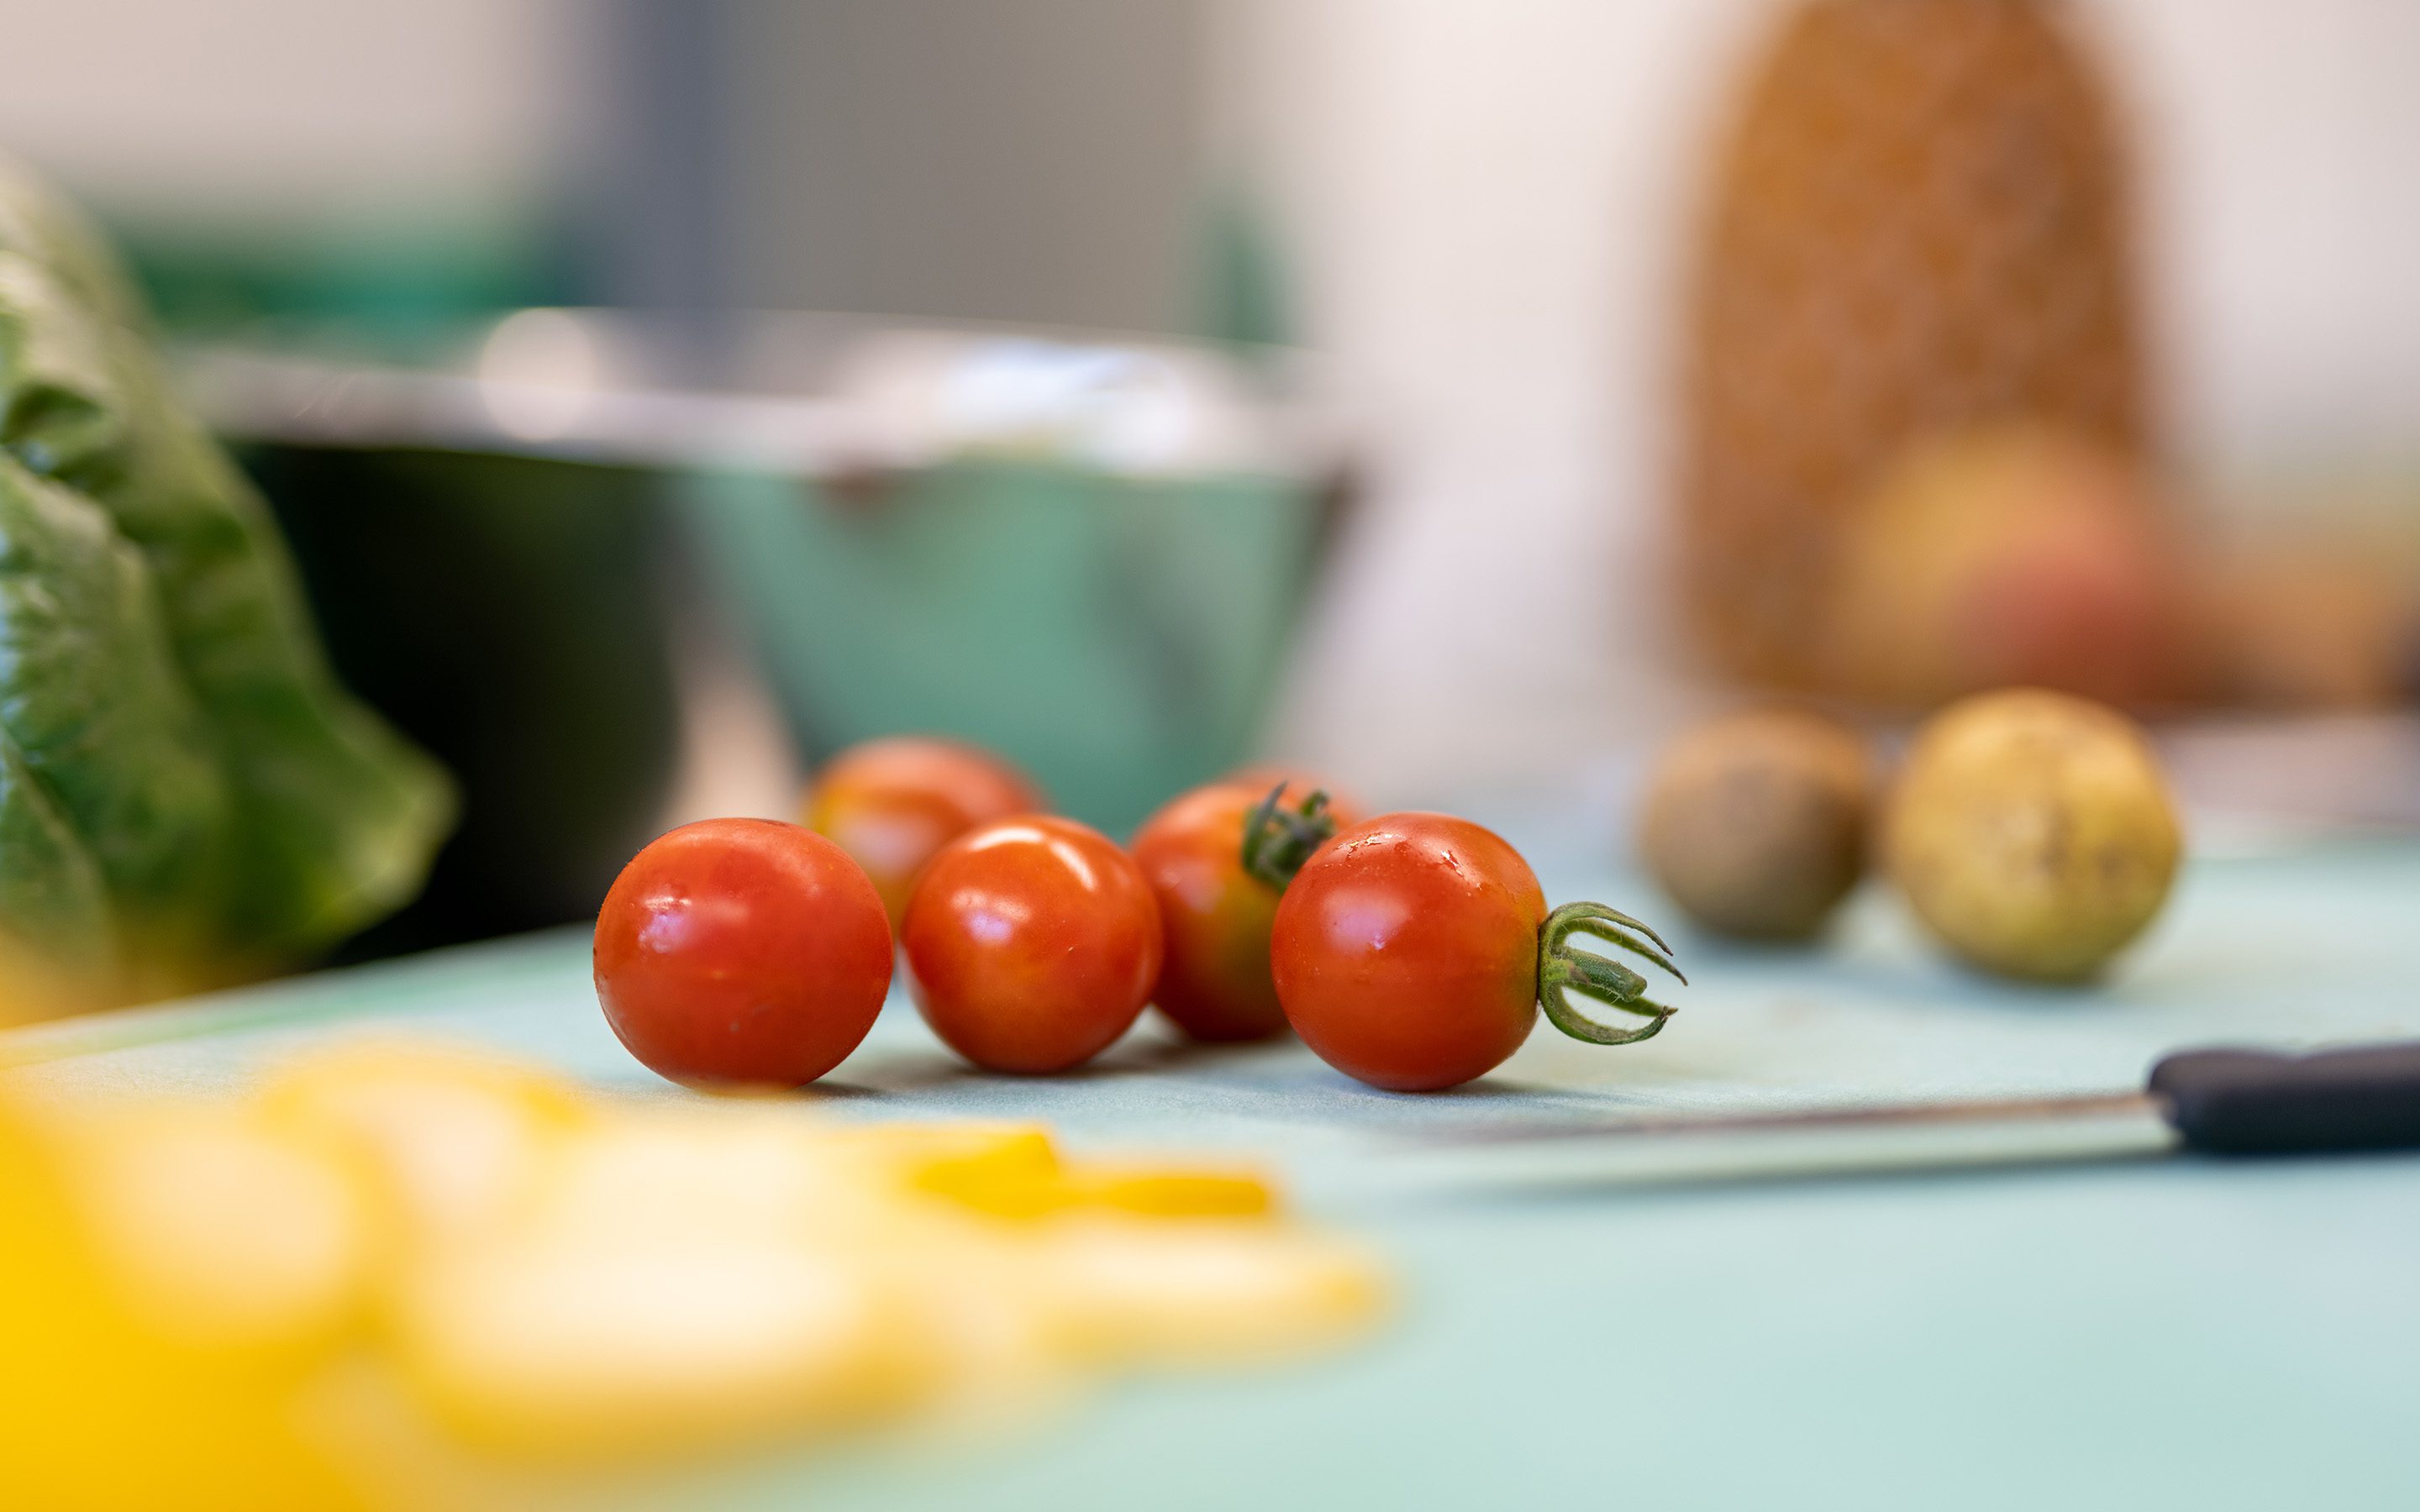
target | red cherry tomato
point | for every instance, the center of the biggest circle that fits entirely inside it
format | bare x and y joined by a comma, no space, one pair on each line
1412,953
742,951
892,803
1033,944
1215,914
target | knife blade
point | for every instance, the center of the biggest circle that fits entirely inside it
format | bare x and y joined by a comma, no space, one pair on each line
2219,1102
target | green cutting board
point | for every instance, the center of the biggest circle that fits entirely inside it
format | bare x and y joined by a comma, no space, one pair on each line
2120,1334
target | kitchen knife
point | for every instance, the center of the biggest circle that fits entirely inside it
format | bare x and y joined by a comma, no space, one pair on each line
2213,1101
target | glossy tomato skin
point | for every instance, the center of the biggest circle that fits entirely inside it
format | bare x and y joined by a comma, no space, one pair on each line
1405,951
1213,975
892,803
742,953
1215,918
1033,944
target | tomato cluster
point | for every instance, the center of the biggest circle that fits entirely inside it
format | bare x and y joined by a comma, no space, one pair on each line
1411,950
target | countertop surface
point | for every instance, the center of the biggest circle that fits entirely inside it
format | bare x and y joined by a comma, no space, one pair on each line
2082,1323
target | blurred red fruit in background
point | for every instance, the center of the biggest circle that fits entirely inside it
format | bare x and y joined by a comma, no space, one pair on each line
2008,555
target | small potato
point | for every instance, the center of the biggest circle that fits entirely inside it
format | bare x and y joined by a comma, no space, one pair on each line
2032,832
1755,823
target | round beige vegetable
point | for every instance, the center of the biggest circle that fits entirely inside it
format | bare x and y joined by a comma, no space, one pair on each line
2032,832
1755,823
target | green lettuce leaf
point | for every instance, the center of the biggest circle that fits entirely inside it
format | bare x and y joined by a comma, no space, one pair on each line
186,794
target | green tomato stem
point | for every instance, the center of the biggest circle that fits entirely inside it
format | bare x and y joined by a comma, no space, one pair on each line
1563,969
1278,839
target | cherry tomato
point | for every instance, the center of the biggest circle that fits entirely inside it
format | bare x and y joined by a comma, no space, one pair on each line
742,951
1033,944
1413,952
1215,913
892,803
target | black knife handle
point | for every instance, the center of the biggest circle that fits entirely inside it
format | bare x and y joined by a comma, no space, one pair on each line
2262,1103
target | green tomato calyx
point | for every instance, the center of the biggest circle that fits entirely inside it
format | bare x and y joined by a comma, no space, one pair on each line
1563,969
1278,839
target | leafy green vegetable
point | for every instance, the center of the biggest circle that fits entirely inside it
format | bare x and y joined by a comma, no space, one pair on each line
186,796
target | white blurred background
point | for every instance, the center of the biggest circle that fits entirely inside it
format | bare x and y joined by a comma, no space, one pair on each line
1477,204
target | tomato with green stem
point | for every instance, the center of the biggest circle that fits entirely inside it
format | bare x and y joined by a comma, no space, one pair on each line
1217,859
1415,951
892,803
742,953
1033,944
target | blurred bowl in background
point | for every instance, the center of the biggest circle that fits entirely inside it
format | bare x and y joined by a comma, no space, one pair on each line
1086,552
506,612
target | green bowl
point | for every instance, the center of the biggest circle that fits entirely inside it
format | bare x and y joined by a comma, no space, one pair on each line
1085,553
1118,637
